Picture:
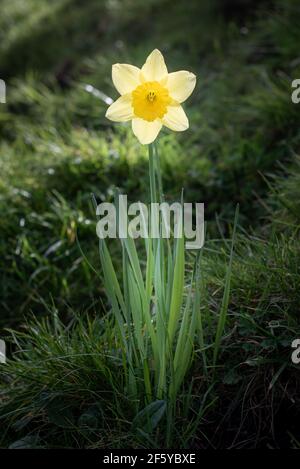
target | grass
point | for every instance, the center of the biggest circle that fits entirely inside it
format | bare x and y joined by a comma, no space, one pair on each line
63,384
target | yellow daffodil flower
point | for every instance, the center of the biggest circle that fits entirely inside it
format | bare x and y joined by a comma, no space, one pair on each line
151,97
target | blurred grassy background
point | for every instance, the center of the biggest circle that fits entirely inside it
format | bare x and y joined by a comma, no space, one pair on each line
56,147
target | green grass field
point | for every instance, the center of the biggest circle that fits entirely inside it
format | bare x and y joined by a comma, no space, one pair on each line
62,385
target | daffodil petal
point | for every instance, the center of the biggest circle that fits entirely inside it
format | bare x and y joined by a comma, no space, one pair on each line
125,77
121,110
154,69
176,119
180,85
145,131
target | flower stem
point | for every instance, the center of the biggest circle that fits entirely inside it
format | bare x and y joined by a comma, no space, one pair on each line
159,178
153,191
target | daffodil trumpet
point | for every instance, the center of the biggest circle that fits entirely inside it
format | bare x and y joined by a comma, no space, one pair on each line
151,97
